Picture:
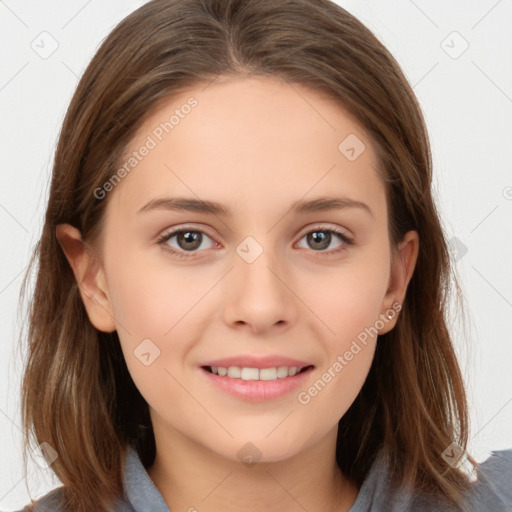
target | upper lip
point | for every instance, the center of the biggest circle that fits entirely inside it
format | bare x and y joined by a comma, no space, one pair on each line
248,361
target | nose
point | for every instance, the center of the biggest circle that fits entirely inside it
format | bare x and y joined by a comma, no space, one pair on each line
260,295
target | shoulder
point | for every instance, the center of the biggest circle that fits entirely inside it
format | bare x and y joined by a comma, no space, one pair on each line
51,502
492,489
54,501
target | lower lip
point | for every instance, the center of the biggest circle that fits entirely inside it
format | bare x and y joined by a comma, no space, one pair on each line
258,390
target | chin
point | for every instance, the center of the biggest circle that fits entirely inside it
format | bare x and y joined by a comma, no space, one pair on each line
251,450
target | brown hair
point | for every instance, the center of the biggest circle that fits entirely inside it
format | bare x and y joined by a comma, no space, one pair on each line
77,393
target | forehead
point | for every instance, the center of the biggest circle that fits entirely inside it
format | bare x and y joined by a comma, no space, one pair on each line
250,140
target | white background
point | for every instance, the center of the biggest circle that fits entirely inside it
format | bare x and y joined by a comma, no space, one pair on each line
467,102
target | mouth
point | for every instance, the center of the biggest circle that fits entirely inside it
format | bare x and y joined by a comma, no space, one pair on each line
261,374
252,384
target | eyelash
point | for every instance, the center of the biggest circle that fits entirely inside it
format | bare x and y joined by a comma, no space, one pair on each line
347,241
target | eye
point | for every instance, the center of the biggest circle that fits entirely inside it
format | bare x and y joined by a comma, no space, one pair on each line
187,240
190,240
321,238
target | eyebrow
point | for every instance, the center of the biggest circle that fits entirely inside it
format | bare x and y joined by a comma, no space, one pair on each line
319,204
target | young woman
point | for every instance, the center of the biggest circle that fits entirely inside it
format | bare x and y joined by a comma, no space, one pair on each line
242,277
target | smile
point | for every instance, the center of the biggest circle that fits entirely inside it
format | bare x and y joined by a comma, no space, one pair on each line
252,384
244,373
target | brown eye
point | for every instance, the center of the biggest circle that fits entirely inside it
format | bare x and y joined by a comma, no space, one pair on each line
189,240
321,239
186,241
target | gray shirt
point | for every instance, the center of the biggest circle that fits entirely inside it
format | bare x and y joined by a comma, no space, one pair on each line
491,492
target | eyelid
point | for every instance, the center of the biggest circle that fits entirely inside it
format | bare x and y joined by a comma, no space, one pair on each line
326,227
184,227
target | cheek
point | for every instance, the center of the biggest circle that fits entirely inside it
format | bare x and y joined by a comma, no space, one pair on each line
149,295
158,300
350,308
348,300
349,297
336,386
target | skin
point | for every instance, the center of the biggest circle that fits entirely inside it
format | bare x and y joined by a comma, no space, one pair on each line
255,145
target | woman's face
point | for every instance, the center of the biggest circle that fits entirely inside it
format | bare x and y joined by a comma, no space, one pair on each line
262,275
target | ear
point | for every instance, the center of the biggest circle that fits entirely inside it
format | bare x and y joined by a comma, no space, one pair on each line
89,276
402,268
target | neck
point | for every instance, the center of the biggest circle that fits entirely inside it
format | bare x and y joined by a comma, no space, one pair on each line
192,477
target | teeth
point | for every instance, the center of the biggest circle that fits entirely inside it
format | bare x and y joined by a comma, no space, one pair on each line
235,372
250,374
282,372
268,374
